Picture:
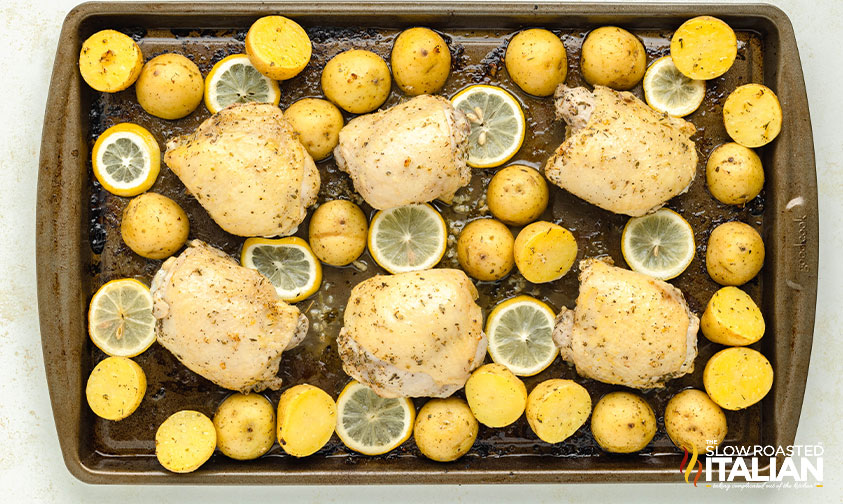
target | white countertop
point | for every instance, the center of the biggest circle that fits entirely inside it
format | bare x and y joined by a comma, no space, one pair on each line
31,468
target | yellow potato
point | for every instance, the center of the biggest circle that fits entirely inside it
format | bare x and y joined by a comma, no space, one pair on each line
544,251
357,81
245,426
318,123
445,429
484,249
557,408
421,61
752,115
737,377
536,60
185,441
732,318
495,395
154,226
278,47
170,86
517,195
734,174
115,388
110,61
623,422
613,57
703,48
307,416
693,420
735,253
338,231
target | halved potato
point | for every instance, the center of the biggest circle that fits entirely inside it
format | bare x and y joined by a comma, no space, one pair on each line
307,416
732,318
737,377
278,47
544,251
752,115
557,408
185,441
495,395
703,48
115,388
110,61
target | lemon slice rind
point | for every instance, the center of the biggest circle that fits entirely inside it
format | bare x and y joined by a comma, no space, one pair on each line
664,229
120,320
396,249
238,85
372,425
498,131
523,345
288,263
667,90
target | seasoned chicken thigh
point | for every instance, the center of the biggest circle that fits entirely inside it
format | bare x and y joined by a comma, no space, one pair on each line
415,334
247,168
627,329
414,152
620,154
223,321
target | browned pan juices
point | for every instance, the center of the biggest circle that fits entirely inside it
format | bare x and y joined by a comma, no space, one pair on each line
477,58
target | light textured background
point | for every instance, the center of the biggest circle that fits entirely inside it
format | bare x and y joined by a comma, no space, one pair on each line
31,469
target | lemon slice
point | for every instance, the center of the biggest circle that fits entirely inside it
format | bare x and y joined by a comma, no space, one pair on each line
408,238
660,244
120,320
520,335
667,90
370,424
235,80
126,159
497,124
288,263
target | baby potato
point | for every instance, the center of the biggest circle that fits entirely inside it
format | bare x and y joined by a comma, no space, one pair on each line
185,441
737,377
613,57
154,226
307,416
517,195
536,60
115,388
338,232
318,123
557,408
421,61
484,249
735,253
278,47
357,81
703,48
752,115
732,318
623,422
495,395
734,174
445,429
245,426
170,86
110,61
544,251
694,422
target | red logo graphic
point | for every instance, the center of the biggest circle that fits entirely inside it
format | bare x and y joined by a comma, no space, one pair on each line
690,467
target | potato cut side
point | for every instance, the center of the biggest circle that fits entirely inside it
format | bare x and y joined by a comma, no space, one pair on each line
110,61
185,441
732,318
752,115
278,47
703,48
115,388
738,377
557,408
544,252
495,395
307,416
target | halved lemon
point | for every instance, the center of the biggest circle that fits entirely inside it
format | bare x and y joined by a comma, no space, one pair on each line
235,80
660,244
667,90
370,424
126,159
408,238
520,334
287,262
497,124
120,321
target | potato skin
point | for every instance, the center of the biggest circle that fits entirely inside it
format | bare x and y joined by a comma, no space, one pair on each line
623,422
693,420
496,396
737,377
735,253
613,57
245,426
734,174
732,318
318,123
421,61
517,195
170,86
484,249
154,226
357,81
338,231
557,408
536,60
445,429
